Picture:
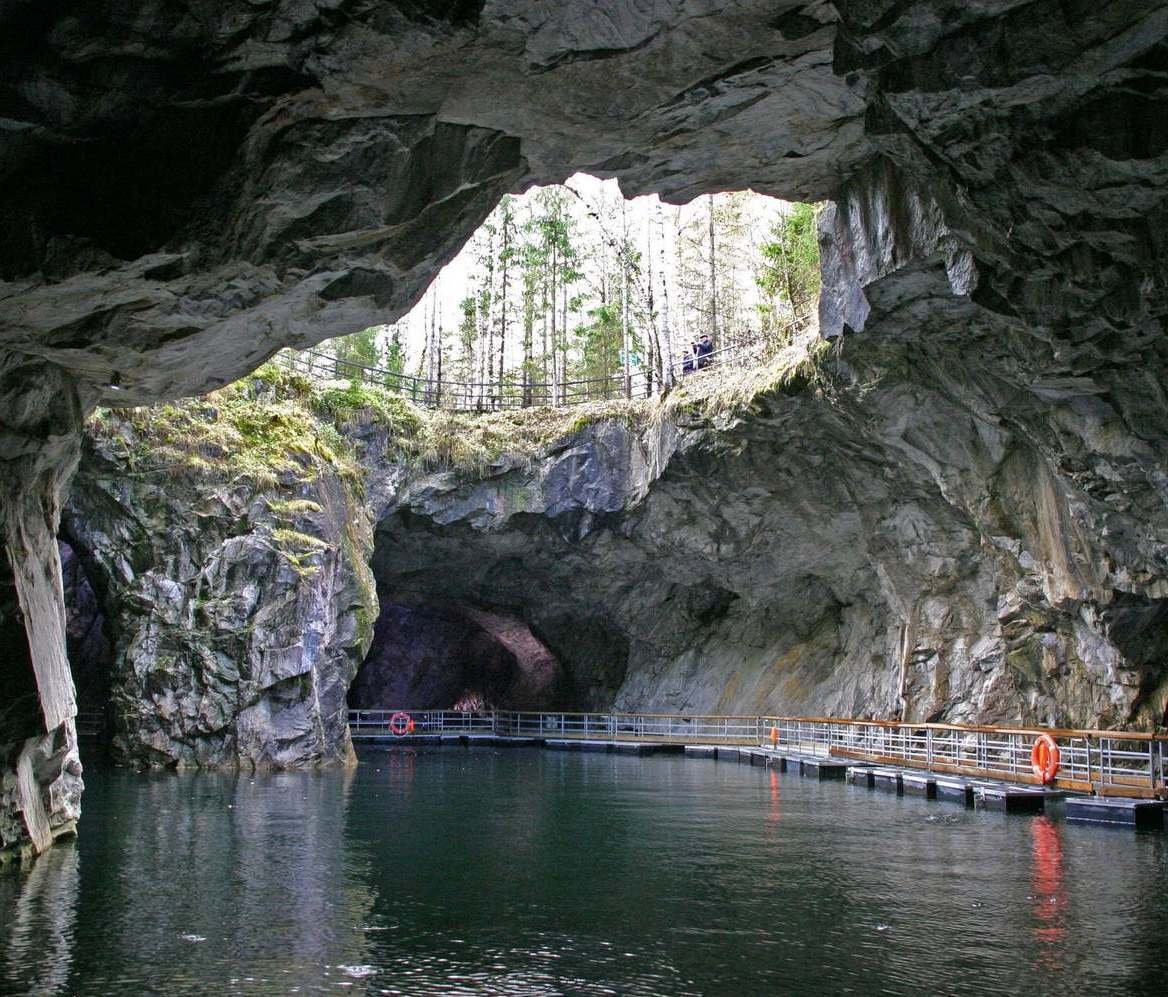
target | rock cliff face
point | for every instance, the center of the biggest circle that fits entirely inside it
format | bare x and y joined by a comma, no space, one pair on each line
40,771
191,188
875,538
239,607
893,542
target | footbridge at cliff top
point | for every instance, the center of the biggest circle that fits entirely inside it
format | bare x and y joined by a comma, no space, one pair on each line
749,349
1104,763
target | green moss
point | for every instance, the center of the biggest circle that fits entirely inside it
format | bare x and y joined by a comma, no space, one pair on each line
293,540
283,380
235,433
797,368
298,549
474,443
1026,660
279,429
364,620
290,508
345,404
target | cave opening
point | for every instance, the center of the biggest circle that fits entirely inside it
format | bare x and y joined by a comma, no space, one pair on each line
504,325
434,655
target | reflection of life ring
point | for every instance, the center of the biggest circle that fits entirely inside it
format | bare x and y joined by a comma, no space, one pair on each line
1044,758
401,723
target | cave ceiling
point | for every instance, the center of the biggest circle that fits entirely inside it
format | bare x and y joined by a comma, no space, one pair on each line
188,186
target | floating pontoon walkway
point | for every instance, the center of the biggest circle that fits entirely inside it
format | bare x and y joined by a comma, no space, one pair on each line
1106,777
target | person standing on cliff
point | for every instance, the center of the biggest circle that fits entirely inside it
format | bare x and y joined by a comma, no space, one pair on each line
702,350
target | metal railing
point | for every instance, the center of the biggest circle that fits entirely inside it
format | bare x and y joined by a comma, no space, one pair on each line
1123,763
630,727
376,723
515,393
1110,763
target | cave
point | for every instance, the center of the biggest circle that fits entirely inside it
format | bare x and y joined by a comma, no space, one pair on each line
943,519
456,657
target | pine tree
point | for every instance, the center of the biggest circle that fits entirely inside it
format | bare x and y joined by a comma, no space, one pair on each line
664,345
394,363
789,272
507,255
351,353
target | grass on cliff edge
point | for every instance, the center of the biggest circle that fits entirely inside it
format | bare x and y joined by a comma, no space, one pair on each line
276,424
236,433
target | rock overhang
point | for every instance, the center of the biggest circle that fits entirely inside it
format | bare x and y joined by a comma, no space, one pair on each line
188,194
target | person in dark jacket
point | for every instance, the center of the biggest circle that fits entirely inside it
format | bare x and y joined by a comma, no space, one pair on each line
702,350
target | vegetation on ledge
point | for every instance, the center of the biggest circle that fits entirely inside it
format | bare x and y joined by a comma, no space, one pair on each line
277,425
255,430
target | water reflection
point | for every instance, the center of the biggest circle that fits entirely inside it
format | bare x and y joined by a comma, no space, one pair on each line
43,906
1048,889
190,878
773,813
511,871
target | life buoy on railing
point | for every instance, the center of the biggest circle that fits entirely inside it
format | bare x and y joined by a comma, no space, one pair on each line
774,737
1044,758
401,724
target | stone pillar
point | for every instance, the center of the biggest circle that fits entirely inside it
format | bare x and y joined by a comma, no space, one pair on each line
41,412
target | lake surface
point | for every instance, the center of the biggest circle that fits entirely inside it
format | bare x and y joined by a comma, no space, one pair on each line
520,871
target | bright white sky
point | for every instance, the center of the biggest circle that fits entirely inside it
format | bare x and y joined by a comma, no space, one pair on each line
454,283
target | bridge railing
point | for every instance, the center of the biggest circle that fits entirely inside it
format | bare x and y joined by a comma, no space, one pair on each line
630,726
1117,763
517,391
1110,762
377,723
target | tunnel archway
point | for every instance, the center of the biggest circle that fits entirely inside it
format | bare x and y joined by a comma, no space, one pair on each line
456,656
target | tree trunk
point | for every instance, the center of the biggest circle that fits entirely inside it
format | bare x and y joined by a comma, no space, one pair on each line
652,345
626,339
713,274
505,261
489,344
543,324
555,338
564,343
664,344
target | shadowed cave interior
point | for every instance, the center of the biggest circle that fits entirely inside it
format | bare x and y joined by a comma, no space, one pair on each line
91,652
456,656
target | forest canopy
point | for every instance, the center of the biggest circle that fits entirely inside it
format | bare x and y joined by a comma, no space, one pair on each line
572,283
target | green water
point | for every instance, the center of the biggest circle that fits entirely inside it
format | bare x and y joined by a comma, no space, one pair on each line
518,871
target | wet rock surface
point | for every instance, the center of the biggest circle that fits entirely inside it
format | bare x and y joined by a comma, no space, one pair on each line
893,542
877,538
40,770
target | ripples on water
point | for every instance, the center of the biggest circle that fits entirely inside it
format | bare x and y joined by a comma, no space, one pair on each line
454,871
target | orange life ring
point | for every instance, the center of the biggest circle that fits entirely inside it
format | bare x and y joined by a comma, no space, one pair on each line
401,724
774,737
1044,758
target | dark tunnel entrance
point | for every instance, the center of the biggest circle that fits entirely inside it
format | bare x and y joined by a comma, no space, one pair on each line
88,646
456,657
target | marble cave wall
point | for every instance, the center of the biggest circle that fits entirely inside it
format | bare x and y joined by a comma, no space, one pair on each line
189,188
